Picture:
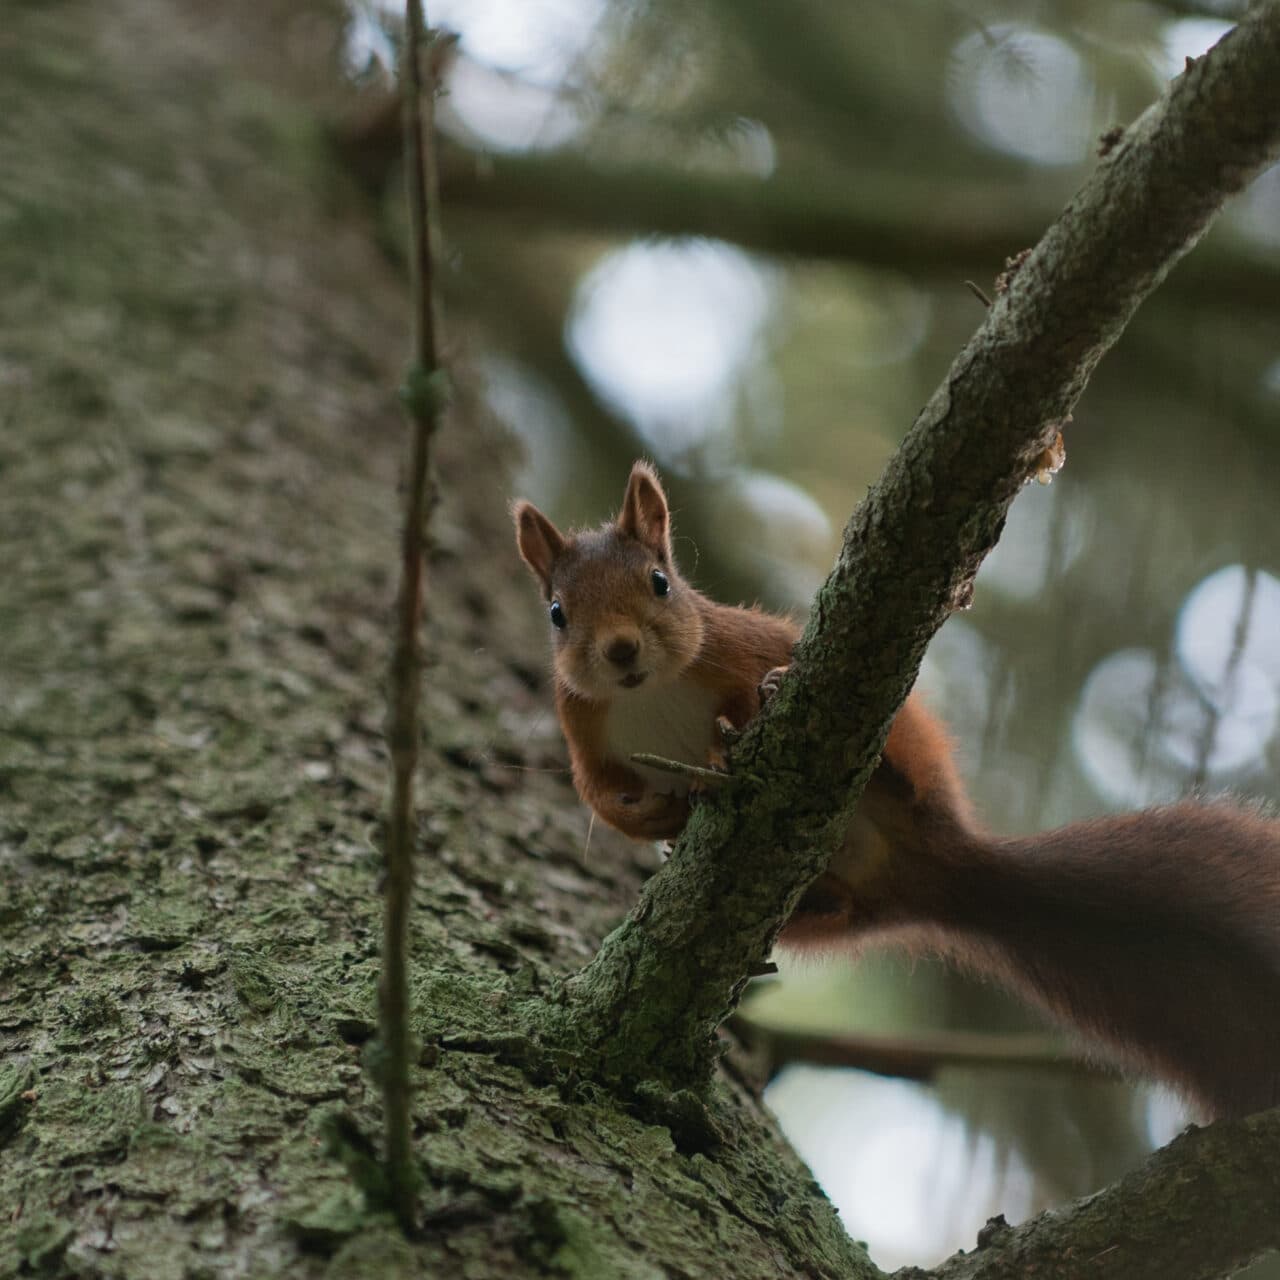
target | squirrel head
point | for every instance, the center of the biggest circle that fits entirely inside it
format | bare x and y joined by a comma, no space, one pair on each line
622,618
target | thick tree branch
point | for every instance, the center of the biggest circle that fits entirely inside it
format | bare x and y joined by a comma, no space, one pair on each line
1204,1206
881,220
650,1000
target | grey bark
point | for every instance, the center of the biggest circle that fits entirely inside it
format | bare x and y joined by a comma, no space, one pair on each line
1169,1218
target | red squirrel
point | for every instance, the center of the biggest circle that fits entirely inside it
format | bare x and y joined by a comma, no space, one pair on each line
1155,934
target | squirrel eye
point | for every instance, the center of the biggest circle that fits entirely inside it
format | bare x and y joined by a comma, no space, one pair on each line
558,620
661,586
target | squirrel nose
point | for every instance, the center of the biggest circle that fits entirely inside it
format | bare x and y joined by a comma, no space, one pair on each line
622,650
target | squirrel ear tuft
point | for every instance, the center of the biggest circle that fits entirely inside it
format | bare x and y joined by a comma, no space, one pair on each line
644,514
539,541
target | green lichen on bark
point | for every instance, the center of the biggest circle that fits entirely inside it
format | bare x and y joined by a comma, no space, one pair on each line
199,347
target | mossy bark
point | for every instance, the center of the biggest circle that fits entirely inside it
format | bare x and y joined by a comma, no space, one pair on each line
199,350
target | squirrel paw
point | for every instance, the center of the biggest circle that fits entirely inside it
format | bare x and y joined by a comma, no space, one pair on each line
701,788
728,734
768,686
700,791
653,815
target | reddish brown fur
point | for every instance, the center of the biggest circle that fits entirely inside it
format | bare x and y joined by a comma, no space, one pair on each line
1157,934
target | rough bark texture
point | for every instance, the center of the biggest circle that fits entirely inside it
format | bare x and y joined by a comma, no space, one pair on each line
199,443
1169,1220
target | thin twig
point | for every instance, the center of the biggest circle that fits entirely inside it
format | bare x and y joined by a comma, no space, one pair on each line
1216,707
712,777
423,399
978,292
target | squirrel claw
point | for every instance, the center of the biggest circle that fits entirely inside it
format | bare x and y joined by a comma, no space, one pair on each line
699,790
769,685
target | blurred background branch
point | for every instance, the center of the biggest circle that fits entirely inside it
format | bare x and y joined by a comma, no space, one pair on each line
921,1056
920,228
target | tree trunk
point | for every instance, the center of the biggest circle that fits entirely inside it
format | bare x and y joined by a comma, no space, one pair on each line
199,349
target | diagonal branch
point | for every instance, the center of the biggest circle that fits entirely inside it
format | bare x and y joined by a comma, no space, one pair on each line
650,1001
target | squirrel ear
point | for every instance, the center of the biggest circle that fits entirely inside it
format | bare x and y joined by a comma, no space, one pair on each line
539,541
644,512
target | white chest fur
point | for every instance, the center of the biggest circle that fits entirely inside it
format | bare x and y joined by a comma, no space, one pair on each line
676,721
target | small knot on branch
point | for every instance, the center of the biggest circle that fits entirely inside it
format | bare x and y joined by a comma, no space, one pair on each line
425,393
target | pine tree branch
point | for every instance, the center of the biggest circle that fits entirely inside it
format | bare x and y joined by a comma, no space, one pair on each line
923,228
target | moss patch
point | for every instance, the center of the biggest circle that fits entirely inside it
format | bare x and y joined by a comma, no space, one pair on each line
199,350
